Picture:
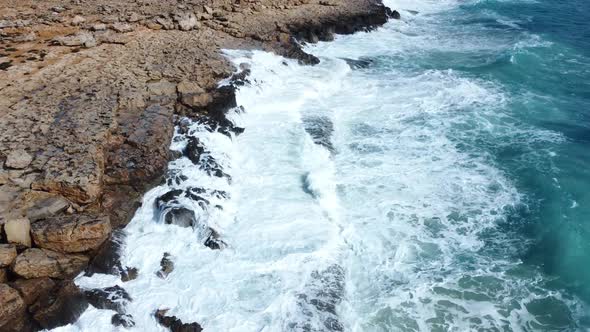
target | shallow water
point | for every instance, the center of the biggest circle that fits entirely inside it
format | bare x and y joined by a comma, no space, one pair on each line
438,184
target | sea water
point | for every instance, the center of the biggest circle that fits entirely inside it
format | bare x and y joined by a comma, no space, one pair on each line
430,175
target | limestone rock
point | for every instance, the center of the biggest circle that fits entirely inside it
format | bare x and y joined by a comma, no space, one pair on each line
46,207
7,254
17,232
81,38
12,310
59,308
39,263
18,159
71,233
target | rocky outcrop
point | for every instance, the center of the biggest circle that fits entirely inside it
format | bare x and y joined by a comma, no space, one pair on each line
71,234
112,298
90,94
40,263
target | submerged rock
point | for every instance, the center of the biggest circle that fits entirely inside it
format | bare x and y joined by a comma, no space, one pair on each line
175,324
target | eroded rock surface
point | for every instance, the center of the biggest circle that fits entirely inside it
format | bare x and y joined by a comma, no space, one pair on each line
40,263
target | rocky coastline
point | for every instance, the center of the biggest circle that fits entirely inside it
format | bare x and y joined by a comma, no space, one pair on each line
91,94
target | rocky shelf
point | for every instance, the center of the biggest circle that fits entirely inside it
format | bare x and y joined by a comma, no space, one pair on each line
90,93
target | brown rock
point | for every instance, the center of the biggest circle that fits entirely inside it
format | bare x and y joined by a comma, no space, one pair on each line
39,263
59,308
71,233
122,27
46,207
77,20
12,310
3,276
18,159
33,289
17,232
7,254
81,38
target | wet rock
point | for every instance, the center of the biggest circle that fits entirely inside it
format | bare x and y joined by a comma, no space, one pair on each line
107,258
112,298
394,14
17,231
213,242
129,273
81,38
194,149
39,263
175,324
59,308
71,234
12,310
124,320
169,198
7,254
33,289
46,207
358,63
166,266
180,216
18,159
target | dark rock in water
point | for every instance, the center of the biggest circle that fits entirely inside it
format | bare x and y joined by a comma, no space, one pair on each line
203,202
318,304
320,128
358,63
413,12
394,14
129,273
60,308
220,194
111,298
180,216
107,260
175,177
175,324
166,266
168,198
124,320
213,241
194,149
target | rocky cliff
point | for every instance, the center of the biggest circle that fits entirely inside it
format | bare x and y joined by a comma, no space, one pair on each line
90,92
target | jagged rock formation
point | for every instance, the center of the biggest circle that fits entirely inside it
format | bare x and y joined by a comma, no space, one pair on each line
89,95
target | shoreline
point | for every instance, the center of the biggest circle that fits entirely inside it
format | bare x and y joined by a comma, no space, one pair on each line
91,95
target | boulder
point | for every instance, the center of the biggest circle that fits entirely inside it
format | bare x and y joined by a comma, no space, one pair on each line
33,289
111,298
124,320
7,254
175,324
17,232
39,263
180,216
71,233
12,310
59,308
18,159
3,276
46,207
